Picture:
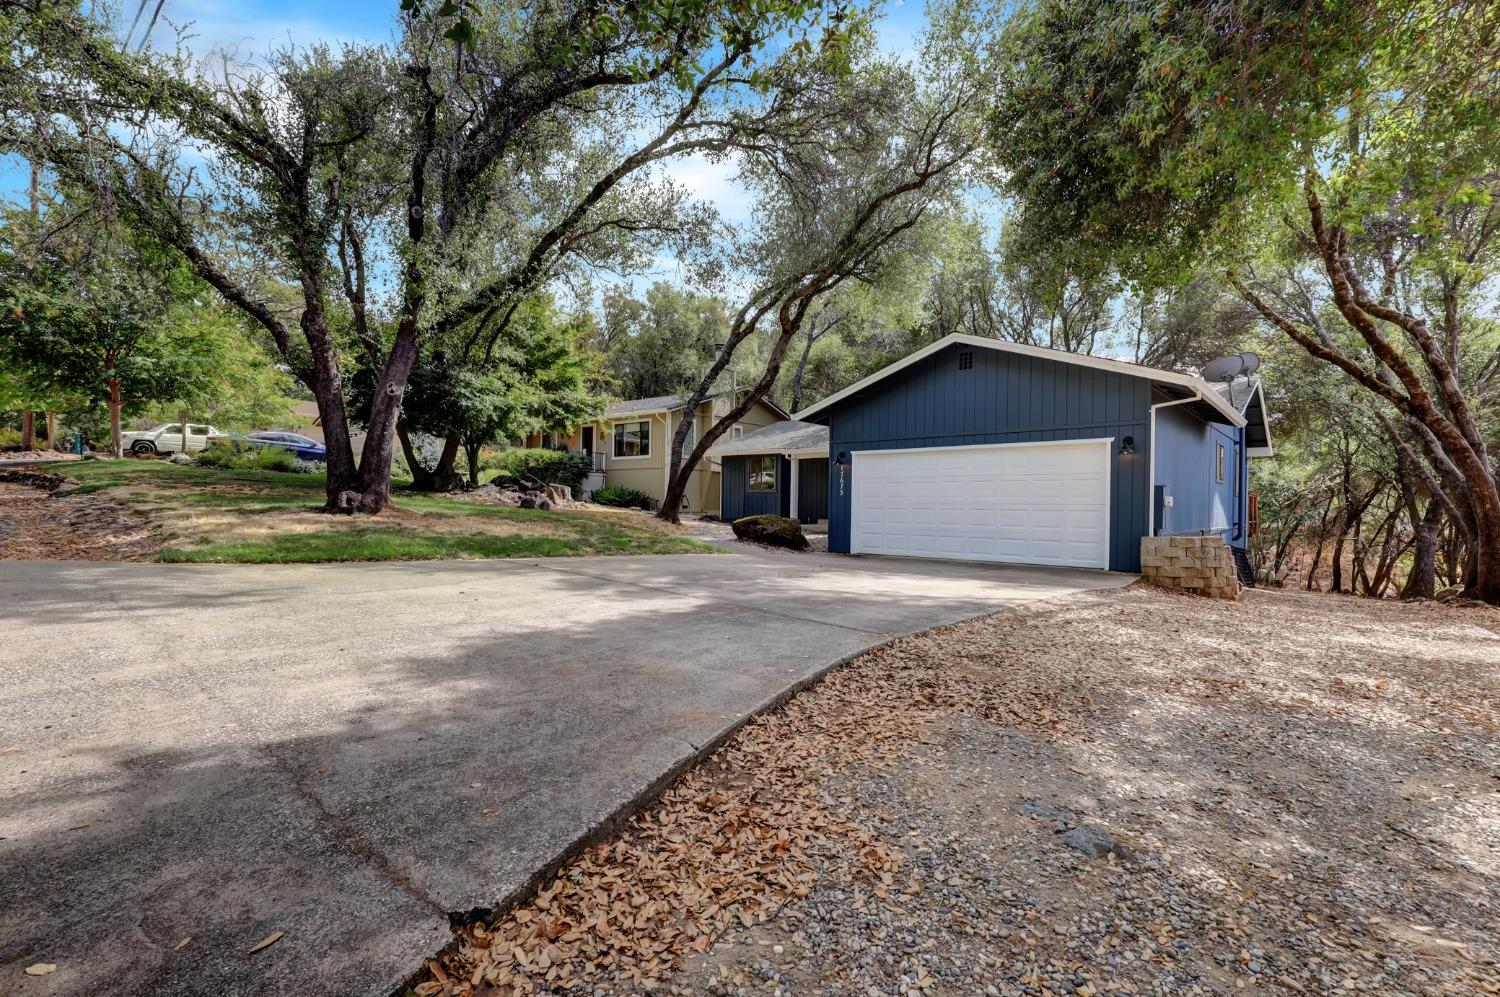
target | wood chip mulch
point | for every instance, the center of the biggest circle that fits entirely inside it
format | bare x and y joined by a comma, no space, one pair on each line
40,526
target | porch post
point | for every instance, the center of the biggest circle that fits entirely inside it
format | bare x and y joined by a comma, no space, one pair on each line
796,514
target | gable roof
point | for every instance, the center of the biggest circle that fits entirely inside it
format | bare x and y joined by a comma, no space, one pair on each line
788,437
1190,381
644,406
1249,400
668,403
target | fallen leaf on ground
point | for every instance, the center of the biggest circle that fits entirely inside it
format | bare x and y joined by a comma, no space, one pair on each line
265,942
80,827
41,969
182,944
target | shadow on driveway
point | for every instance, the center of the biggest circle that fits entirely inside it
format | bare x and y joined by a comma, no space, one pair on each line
350,753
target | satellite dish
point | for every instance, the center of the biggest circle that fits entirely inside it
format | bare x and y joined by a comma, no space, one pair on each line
1252,362
1225,368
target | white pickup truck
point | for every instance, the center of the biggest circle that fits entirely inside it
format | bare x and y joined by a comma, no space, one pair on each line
168,439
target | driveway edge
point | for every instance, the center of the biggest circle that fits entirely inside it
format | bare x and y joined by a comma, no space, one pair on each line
653,791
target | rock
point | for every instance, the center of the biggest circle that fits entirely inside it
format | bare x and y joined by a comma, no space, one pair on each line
773,530
1032,808
1091,841
180,459
1450,593
561,496
500,496
535,500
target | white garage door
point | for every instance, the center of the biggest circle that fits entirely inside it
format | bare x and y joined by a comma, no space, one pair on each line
1026,503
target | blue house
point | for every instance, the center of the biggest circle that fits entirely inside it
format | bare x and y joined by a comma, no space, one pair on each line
979,449
778,470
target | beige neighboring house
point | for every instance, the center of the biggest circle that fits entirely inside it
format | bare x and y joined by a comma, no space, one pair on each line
310,424
631,440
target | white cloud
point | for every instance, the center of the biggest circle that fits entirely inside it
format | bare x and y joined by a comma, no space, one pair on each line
713,183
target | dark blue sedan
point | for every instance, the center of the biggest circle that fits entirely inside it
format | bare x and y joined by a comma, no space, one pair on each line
304,447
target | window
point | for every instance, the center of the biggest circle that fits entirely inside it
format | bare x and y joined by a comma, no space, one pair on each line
632,439
762,474
197,430
736,432
690,437
966,360
1219,461
172,427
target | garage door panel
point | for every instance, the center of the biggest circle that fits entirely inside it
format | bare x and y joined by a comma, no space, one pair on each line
1029,504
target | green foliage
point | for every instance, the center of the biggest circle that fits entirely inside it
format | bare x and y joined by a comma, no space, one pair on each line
553,467
96,310
534,379
237,457
624,498
1135,136
660,345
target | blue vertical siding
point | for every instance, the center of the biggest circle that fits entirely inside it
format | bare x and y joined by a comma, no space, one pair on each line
736,499
812,489
1186,466
1004,398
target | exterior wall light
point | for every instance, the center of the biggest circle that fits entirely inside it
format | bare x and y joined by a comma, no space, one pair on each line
1127,445
842,458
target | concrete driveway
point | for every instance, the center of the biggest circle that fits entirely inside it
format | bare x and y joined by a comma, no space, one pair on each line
193,758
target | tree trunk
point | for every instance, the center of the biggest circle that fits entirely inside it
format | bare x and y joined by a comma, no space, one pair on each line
1421,583
471,451
371,491
1336,584
51,430
444,477
28,430
115,405
182,423
800,373
421,478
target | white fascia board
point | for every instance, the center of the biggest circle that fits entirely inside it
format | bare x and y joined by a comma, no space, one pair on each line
1269,450
1082,360
740,452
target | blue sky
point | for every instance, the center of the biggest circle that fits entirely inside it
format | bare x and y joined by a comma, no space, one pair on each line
251,27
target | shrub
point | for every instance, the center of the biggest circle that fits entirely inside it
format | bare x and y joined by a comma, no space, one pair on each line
552,467
273,459
624,498
225,455
238,457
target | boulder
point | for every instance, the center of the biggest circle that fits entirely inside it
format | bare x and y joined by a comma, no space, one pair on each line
561,496
502,496
1449,594
776,531
535,500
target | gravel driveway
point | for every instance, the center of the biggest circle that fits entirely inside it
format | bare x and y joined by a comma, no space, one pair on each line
1295,794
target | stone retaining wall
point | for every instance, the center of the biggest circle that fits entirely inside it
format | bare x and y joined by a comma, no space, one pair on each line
1202,565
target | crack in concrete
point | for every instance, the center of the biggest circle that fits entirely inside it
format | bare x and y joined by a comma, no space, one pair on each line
334,824
366,853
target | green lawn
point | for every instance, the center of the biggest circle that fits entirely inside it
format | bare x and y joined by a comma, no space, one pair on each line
272,517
